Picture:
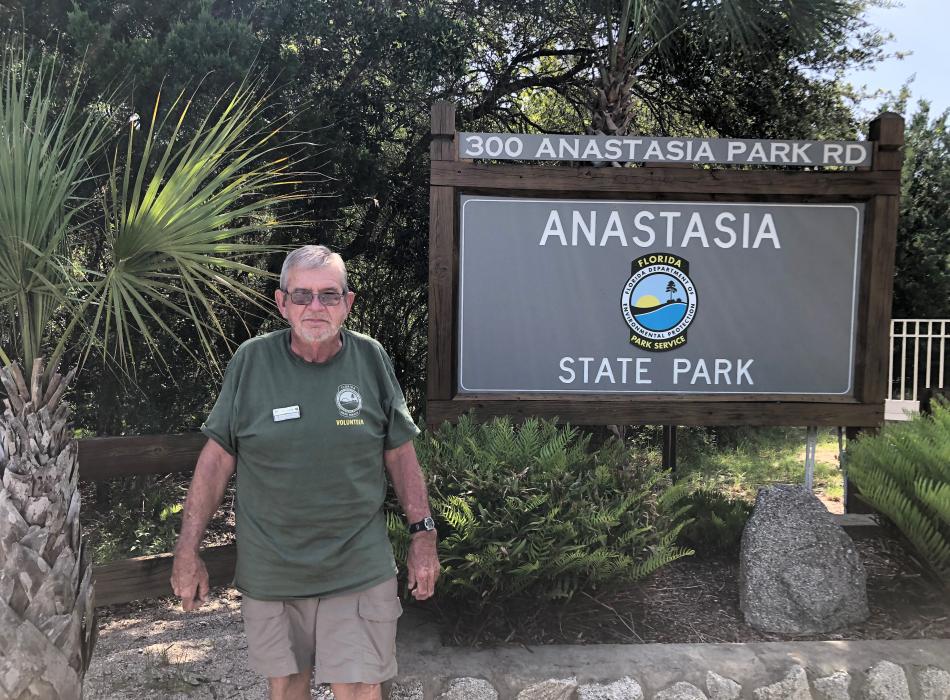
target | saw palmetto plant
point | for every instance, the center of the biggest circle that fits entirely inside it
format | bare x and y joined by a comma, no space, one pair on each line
904,473
174,215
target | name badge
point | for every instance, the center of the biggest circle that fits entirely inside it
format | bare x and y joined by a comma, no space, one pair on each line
287,413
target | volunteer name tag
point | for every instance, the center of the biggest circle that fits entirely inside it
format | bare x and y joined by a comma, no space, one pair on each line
287,413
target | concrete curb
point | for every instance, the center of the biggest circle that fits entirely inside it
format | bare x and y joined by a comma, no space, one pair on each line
655,666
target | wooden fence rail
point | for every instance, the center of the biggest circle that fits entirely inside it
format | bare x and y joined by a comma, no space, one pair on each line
147,577
110,457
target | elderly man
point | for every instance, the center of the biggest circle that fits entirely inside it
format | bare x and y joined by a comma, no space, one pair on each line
310,416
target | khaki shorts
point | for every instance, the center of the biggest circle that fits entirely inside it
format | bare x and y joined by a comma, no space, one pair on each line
349,638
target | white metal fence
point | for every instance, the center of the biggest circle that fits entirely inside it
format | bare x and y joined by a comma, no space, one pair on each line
919,357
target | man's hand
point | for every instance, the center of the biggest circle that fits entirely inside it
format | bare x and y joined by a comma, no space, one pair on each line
410,487
190,580
423,565
189,576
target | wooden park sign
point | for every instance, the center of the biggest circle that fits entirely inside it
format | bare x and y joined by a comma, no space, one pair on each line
699,293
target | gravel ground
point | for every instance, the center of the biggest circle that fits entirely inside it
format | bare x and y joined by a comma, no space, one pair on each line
154,650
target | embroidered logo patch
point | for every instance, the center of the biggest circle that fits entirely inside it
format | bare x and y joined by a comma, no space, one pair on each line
348,400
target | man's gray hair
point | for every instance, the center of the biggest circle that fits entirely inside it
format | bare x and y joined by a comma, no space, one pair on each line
310,257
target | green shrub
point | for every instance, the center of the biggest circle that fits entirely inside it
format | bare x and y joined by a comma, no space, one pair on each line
717,522
140,515
904,473
529,515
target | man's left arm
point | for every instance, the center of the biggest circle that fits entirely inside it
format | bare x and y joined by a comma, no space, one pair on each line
423,559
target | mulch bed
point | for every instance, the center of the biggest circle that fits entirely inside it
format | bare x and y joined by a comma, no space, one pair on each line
696,600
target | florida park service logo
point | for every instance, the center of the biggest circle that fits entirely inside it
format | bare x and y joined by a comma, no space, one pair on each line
659,302
348,400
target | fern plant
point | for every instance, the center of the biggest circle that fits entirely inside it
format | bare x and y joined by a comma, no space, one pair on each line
531,515
718,522
904,473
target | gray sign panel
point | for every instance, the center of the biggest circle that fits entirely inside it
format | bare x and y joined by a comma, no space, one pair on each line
594,296
648,149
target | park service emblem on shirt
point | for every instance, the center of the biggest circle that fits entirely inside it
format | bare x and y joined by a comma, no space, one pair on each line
348,400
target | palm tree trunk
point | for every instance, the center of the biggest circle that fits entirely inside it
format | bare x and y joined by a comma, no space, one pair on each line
612,100
47,609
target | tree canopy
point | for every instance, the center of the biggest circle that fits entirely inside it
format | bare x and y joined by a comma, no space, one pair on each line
361,77
922,267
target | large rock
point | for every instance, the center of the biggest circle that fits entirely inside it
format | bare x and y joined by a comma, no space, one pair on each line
407,690
934,683
551,689
624,689
793,687
886,681
681,691
833,687
469,689
798,571
720,688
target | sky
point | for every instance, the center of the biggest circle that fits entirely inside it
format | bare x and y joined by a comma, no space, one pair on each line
919,26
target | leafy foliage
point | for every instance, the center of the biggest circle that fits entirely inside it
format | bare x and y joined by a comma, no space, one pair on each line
358,79
717,522
43,159
904,472
155,243
922,267
530,515
139,516
173,227
633,38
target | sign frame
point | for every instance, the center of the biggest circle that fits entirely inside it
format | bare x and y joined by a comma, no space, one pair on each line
877,186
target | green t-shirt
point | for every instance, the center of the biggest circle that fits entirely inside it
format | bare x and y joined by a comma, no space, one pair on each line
309,441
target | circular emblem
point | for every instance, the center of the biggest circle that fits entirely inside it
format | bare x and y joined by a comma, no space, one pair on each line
348,400
659,302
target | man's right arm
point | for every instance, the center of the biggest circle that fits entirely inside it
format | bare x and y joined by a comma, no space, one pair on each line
212,472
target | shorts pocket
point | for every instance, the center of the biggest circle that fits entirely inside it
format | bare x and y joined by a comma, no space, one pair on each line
255,610
379,610
270,650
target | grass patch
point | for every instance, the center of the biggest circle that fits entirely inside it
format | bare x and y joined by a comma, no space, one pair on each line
746,459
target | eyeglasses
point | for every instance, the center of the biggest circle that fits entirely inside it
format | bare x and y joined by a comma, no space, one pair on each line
304,297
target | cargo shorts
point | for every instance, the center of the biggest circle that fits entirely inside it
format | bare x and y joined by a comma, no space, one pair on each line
348,638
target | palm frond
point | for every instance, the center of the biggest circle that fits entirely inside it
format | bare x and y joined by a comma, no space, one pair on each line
174,229
45,150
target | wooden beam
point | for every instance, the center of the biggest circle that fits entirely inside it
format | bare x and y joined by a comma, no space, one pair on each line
110,457
442,123
147,577
873,344
621,399
880,242
596,411
442,282
887,133
442,260
525,179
